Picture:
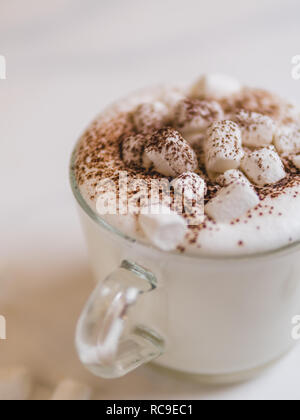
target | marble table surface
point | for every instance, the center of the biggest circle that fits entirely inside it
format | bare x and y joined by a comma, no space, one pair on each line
65,61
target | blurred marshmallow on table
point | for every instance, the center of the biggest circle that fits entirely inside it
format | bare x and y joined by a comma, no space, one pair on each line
72,391
15,383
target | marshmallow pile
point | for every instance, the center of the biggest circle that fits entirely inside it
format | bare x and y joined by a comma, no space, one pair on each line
241,151
225,155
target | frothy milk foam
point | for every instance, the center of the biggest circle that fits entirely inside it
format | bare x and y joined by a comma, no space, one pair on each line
234,153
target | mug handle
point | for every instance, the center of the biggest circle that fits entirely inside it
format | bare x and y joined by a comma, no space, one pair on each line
109,342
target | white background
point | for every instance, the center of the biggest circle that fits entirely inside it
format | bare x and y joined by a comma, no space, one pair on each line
65,61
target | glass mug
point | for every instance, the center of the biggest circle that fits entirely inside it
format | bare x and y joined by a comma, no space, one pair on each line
221,318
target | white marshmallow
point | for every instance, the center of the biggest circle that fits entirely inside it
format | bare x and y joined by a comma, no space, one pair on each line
189,193
257,130
171,98
191,185
223,147
169,153
15,384
293,111
287,139
263,166
164,228
216,86
194,116
296,161
69,390
232,202
150,115
231,176
133,149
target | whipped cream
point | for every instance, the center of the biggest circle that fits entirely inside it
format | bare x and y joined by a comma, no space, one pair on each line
231,151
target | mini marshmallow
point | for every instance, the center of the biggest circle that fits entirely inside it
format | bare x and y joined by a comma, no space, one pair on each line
232,202
150,115
164,228
133,149
69,390
223,147
292,111
193,115
216,86
287,139
169,153
231,176
263,166
191,185
15,384
296,161
189,193
257,130
171,98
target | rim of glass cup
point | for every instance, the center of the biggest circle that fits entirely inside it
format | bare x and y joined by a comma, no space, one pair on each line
102,223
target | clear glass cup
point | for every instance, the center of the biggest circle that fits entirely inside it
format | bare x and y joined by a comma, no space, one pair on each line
221,318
